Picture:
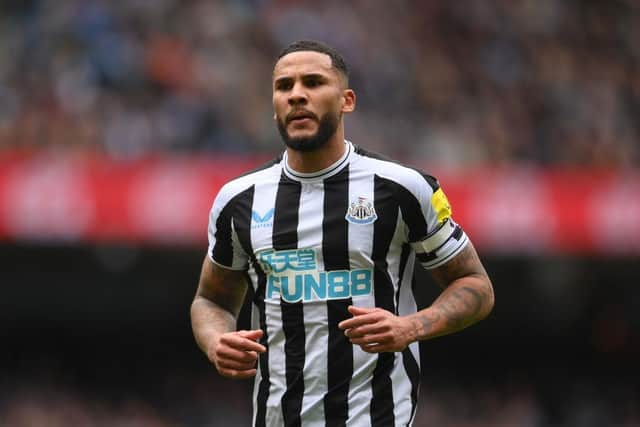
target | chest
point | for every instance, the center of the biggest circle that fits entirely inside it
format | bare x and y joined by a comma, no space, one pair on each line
340,217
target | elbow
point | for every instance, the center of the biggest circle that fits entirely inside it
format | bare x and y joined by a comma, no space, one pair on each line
490,298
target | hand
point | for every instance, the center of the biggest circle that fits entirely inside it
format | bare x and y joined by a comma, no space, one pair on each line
235,353
376,330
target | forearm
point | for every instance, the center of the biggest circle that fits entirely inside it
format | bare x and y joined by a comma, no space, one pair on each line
464,302
209,320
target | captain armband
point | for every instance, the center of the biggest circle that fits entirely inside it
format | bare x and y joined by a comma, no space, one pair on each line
440,245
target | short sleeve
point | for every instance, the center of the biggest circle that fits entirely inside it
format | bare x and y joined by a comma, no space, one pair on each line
445,238
224,247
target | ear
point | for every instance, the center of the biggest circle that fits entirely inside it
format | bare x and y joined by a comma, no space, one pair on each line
348,100
275,117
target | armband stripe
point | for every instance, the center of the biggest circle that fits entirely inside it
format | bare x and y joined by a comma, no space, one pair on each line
441,245
457,233
439,237
426,257
460,245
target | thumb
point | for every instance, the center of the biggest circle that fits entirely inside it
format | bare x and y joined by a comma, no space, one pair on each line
358,311
254,334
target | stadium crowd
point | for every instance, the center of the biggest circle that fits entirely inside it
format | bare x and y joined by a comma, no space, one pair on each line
502,405
542,82
460,83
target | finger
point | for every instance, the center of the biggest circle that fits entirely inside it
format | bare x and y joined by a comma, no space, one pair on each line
360,331
373,348
370,340
224,352
240,343
238,374
235,365
254,334
355,322
358,311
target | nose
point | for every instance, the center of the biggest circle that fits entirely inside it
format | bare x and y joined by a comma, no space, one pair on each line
297,95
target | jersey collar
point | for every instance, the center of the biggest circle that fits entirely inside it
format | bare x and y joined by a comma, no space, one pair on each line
321,174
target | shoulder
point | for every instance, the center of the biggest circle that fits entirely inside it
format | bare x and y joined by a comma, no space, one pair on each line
269,171
414,180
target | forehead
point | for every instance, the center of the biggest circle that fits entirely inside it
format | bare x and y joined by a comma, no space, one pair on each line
303,62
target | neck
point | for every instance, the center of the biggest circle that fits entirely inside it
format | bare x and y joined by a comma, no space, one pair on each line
313,161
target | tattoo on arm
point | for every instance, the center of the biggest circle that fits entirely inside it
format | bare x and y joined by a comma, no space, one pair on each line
224,287
464,264
467,296
462,308
427,322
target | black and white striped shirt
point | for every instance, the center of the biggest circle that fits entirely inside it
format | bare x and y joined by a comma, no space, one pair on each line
313,244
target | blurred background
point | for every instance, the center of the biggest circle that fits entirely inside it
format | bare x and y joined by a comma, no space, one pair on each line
120,120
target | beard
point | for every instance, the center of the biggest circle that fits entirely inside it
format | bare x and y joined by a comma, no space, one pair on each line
327,126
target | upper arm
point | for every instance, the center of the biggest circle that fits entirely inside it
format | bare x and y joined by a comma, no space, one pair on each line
224,243
223,286
465,263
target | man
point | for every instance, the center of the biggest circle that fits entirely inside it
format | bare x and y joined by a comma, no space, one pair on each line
327,235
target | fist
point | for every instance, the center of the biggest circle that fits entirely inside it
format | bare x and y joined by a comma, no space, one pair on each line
376,330
234,354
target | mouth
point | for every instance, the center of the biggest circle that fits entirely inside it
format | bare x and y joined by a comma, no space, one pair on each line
300,116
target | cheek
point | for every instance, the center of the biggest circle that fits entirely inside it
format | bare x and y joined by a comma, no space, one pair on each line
332,108
278,101
278,109
333,103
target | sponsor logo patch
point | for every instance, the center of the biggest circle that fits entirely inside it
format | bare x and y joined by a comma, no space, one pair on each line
293,276
259,221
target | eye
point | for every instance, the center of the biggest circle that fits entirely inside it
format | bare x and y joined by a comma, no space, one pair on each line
283,84
312,82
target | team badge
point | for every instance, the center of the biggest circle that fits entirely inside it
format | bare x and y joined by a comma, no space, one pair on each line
361,212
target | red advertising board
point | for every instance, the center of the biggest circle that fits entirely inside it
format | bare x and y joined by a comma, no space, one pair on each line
166,200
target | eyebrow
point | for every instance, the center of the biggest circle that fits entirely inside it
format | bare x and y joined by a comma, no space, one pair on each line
285,79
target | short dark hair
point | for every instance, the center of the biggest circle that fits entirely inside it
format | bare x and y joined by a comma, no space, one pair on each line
337,61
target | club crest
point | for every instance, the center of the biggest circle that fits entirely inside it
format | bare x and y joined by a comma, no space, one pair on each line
361,212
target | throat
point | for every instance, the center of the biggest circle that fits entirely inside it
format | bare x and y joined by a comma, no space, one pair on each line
316,161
